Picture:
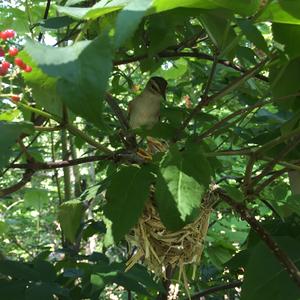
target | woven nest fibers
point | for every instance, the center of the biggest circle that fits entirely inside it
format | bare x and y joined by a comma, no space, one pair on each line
159,247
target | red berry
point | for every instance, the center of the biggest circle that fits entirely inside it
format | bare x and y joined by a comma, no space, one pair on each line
3,35
13,51
20,63
28,69
5,65
2,52
15,98
3,71
10,33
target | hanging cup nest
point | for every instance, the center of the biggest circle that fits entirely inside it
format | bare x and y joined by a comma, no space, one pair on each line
160,248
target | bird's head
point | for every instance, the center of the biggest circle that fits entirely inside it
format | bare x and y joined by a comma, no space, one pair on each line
157,85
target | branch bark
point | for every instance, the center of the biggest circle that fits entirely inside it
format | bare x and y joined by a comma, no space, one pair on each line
215,289
25,179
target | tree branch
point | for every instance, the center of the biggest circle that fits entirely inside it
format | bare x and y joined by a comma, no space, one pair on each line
46,13
25,179
199,55
215,289
281,256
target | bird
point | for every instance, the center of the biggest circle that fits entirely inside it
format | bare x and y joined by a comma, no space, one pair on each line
144,110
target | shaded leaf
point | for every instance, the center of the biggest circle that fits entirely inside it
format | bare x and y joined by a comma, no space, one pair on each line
10,131
126,196
70,215
265,278
56,22
129,19
289,36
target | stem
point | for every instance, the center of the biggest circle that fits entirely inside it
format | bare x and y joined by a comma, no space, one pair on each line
215,289
74,130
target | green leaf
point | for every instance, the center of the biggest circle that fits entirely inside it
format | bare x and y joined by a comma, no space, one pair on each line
44,87
44,290
284,81
83,70
12,290
219,255
173,70
182,181
234,193
217,24
289,36
129,19
3,227
99,9
56,22
70,215
246,54
281,11
265,278
9,132
18,270
247,7
35,198
253,34
126,196
46,270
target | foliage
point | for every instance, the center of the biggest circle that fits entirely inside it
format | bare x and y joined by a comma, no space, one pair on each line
74,182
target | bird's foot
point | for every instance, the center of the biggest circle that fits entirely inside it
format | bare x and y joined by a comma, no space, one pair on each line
144,154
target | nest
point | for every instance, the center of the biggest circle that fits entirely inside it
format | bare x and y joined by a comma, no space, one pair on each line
160,248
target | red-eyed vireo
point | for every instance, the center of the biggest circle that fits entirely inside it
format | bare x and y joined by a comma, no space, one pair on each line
144,110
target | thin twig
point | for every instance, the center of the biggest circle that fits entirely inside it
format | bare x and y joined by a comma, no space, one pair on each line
229,88
199,55
286,150
215,289
46,13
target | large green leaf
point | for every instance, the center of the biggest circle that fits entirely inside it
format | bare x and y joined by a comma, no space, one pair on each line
83,70
129,19
289,36
56,22
281,11
284,81
70,215
265,278
18,270
35,198
182,181
126,196
9,132
253,34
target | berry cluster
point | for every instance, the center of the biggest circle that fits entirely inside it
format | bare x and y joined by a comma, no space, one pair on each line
8,53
